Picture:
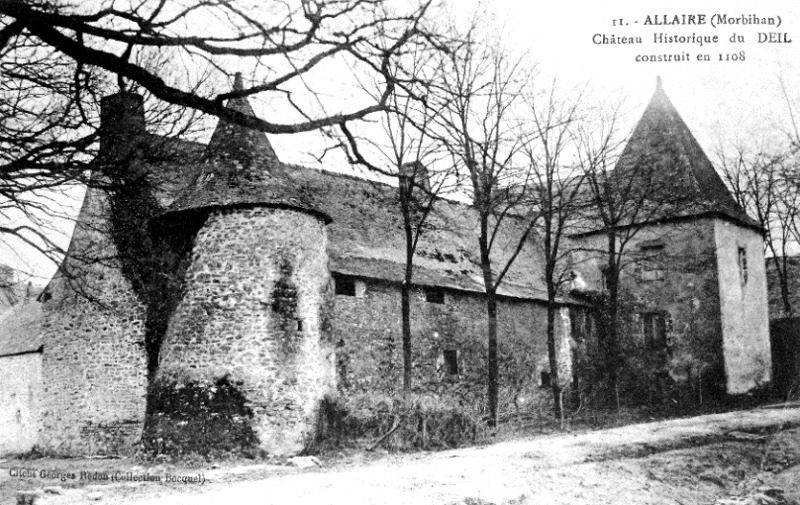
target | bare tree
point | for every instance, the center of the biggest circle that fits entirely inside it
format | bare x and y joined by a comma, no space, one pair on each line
407,153
476,91
554,194
282,42
49,137
624,191
760,183
57,59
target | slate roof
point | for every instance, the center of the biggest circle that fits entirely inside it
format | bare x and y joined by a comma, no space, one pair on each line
20,329
365,238
679,165
240,168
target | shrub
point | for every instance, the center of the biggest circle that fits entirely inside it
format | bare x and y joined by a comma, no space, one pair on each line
398,422
198,419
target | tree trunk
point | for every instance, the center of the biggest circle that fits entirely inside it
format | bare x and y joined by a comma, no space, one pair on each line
405,292
405,297
612,310
552,353
492,388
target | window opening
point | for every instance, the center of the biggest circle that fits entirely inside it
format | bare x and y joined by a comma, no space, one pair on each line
451,361
743,264
345,286
654,328
434,295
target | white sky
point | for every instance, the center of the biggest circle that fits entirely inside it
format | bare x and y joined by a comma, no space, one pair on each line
717,99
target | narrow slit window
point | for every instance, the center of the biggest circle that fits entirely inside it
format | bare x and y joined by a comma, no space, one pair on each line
451,361
743,264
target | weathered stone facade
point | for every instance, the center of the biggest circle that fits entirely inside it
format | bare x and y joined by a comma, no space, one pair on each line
743,306
367,331
681,270
692,281
253,312
94,366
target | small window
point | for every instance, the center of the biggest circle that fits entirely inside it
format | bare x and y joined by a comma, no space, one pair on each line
345,286
450,361
652,246
299,325
743,265
434,295
652,274
654,329
544,377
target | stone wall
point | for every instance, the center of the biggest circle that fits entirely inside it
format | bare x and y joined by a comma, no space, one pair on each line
94,371
20,377
368,333
745,317
251,322
669,271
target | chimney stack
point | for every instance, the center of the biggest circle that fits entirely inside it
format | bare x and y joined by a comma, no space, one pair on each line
121,125
415,174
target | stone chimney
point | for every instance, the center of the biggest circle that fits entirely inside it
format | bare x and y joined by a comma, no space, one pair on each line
415,174
122,124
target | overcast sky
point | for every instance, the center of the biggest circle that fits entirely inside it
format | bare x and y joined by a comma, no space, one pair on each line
717,99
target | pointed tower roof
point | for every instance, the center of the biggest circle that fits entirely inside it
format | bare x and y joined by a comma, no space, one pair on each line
240,168
238,144
679,165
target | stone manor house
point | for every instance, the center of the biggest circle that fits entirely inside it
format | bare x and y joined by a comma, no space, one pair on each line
219,275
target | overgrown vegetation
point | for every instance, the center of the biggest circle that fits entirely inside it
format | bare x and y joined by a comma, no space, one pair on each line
396,422
200,419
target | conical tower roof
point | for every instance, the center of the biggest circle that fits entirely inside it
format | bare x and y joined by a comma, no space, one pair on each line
679,166
240,168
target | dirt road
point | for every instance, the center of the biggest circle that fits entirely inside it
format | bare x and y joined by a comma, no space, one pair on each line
686,461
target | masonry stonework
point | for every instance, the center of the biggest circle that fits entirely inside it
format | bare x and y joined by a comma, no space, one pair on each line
744,307
94,366
367,331
252,314
670,272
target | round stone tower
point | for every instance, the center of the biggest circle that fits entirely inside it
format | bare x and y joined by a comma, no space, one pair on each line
244,363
